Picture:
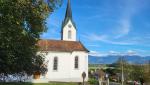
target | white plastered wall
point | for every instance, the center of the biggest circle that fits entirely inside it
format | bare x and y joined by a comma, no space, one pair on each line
66,71
65,32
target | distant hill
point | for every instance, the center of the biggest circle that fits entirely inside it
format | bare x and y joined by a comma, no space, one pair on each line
113,58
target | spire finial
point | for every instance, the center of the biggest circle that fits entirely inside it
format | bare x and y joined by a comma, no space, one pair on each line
68,11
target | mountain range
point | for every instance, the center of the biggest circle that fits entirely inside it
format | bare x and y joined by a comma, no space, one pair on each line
109,59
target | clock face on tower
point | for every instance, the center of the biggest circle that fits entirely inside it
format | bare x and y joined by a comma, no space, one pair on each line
69,26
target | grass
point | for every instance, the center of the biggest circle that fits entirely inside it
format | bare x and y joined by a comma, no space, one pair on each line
38,84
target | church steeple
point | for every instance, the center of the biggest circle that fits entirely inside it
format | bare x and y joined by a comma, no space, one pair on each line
68,15
68,30
68,11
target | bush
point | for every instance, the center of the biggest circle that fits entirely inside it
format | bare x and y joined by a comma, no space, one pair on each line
93,81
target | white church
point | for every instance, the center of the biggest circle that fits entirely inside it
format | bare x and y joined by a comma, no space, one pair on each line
66,59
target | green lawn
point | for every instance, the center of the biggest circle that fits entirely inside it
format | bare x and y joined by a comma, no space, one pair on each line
39,84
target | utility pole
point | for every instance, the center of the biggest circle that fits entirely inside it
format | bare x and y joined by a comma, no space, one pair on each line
122,74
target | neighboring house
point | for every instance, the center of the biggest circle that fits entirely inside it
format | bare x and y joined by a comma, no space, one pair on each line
66,59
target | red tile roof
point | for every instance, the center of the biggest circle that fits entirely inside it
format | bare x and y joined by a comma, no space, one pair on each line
61,46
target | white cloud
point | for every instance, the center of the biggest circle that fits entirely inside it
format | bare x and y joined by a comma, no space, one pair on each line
130,8
92,45
105,39
113,52
140,50
123,29
97,37
131,52
128,52
93,37
96,53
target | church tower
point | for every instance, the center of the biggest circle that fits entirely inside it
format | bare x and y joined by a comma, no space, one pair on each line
68,30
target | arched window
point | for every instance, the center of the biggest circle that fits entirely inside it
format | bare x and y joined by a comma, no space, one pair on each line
55,63
69,34
76,62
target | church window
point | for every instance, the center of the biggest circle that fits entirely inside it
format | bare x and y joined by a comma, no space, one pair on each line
76,62
69,34
55,63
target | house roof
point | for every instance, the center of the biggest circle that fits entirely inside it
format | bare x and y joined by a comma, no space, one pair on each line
61,46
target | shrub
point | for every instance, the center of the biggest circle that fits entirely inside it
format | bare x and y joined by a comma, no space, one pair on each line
93,81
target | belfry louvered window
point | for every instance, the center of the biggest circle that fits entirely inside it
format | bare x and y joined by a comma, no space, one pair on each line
76,62
55,63
69,34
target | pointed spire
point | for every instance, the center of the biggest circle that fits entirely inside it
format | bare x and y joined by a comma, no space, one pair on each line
68,11
68,16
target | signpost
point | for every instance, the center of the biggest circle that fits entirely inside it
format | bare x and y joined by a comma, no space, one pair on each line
83,76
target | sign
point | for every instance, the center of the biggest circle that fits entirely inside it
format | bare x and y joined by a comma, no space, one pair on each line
83,75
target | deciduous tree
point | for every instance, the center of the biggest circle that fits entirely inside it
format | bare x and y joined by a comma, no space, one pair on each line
21,24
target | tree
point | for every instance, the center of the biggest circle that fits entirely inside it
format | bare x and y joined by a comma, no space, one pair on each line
21,23
140,72
127,68
147,72
137,72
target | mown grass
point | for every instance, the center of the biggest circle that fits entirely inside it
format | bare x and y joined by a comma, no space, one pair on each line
39,84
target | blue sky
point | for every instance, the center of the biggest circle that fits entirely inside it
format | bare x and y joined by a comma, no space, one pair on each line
107,26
